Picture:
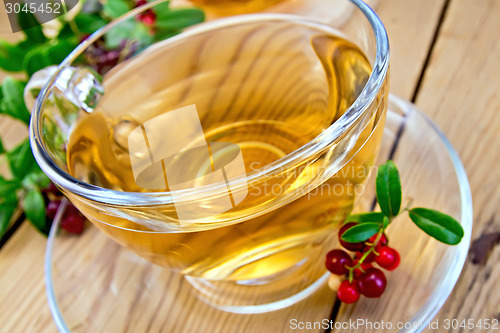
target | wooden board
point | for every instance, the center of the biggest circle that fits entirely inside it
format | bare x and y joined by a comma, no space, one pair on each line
461,92
23,306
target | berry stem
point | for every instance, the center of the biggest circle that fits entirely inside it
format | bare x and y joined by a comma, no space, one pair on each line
366,254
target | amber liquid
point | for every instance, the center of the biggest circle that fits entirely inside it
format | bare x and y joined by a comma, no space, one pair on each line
269,87
235,7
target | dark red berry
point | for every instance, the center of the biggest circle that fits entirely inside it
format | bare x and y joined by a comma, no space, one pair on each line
372,283
73,221
348,292
52,208
52,188
337,260
349,246
140,3
388,258
73,224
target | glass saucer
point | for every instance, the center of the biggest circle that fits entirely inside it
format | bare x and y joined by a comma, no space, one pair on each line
95,285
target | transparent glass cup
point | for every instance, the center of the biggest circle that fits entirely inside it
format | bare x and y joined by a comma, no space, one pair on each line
259,83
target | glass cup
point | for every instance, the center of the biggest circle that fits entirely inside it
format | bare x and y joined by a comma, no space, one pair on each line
229,153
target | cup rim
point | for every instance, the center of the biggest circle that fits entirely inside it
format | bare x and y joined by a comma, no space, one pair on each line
334,131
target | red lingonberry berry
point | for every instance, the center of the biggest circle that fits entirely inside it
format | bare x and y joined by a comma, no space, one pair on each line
348,292
337,260
52,208
347,245
148,17
52,188
73,221
140,3
372,283
388,258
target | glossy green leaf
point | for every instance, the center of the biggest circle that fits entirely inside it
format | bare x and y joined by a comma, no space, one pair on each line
48,54
11,57
388,185
37,59
360,232
31,27
2,149
35,178
438,225
116,8
12,102
34,208
8,187
128,31
375,217
21,160
178,19
88,23
60,49
7,209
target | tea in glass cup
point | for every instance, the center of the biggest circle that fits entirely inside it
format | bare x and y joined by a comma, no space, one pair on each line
230,153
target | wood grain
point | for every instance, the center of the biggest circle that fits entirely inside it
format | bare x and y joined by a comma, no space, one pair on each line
23,306
460,92
410,26
22,292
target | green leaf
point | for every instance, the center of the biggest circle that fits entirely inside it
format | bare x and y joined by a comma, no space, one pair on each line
35,178
116,8
88,23
37,59
12,102
48,54
11,57
34,208
360,232
7,209
438,225
178,19
60,49
21,160
388,186
66,31
2,149
365,217
31,27
8,187
130,31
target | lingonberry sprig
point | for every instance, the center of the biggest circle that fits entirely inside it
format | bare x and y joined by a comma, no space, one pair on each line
365,235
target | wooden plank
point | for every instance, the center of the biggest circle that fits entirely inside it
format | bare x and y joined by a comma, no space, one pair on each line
23,302
410,26
21,259
460,92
